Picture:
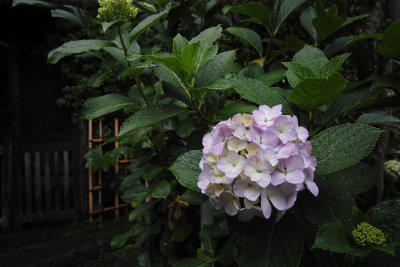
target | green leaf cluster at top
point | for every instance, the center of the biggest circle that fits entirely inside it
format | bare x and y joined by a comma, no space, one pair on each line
194,66
315,79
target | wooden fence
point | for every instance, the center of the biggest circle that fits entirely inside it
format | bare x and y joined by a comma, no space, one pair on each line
37,184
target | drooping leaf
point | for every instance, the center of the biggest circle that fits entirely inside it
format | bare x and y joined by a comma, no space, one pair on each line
150,116
389,46
255,91
36,3
145,24
336,238
215,68
311,93
101,105
135,71
136,194
385,216
342,146
306,19
249,36
208,36
75,47
186,169
68,15
190,262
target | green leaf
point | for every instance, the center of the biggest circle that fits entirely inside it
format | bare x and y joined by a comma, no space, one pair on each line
332,65
259,12
215,68
208,36
68,15
193,197
36,3
310,57
297,73
272,77
161,190
334,237
136,193
306,19
141,210
135,71
342,146
186,169
379,118
169,76
356,179
326,25
391,81
248,36
257,246
333,204
75,47
234,107
355,18
178,44
101,105
145,24
181,232
255,91
311,93
149,116
190,262
385,216
389,46
120,240
287,7
222,83
186,59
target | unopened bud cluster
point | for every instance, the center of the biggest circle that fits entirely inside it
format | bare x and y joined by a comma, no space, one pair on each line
392,167
116,9
254,162
367,235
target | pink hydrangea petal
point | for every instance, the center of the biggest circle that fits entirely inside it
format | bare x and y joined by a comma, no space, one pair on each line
277,178
295,176
252,193
266,207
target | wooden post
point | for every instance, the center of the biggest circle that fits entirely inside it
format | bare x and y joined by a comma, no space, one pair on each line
80,172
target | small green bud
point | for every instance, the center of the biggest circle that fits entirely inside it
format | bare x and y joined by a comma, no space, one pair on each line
116,9
392,167
367,235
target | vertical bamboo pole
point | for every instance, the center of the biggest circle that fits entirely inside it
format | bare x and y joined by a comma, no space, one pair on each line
100,182
90,174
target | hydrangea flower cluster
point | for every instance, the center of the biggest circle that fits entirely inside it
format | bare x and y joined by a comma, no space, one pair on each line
366,234
116,9
254,162
392,167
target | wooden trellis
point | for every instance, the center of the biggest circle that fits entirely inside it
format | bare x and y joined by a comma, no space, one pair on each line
95,179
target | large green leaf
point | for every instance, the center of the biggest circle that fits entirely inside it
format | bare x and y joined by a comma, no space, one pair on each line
248,36
255,91
208,36
311,57
311,93
149,116
193,197
169,76
259,12
186,169
75,47
306,19
161,190
101,105
272,77
342,146
261,244
68,15
356,179
186,59
332,65
215,68
145,24
389,47
141,210
36,3
333,204
336,238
